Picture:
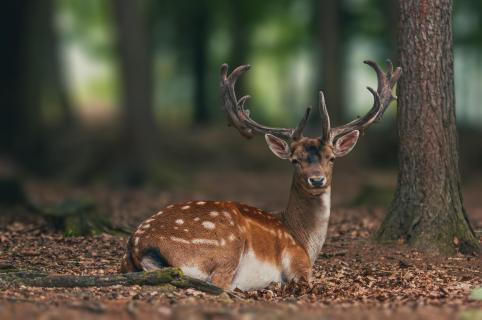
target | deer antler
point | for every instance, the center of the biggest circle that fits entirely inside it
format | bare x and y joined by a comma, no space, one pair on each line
382,98
239,117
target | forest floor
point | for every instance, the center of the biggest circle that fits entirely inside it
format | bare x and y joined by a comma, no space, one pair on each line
354,278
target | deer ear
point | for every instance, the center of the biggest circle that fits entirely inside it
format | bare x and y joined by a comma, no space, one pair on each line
345,143
278,146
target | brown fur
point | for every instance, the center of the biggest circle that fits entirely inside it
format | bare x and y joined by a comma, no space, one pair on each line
250,227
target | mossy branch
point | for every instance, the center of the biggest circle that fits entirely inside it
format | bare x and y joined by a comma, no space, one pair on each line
173,276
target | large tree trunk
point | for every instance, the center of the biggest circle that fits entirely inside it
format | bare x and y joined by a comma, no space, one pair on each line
427,210
26,80
139,126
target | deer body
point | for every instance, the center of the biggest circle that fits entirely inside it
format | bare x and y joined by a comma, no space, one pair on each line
237,246
231,244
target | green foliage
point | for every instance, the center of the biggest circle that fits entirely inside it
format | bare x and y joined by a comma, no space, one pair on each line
472,314
476,294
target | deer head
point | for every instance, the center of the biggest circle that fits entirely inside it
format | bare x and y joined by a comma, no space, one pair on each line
312,157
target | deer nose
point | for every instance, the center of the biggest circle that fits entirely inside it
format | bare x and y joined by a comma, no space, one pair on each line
317,181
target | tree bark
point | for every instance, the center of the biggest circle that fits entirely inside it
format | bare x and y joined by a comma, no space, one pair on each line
427,210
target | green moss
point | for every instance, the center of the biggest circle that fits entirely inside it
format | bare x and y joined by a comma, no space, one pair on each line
80,217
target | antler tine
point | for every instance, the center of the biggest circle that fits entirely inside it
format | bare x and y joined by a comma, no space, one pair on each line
298,132
325,118
382,99
239,117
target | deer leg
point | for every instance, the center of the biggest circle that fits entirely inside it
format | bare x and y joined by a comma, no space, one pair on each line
223,276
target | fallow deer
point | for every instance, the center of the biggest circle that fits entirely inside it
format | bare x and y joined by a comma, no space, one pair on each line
234,245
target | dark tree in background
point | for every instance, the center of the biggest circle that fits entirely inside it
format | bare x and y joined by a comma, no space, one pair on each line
331,57
427,210
138,123
33,92
200,38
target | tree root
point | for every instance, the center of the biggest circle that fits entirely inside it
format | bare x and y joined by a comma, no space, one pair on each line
173,276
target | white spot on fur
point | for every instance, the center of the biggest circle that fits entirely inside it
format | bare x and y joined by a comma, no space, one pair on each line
196,219
227,215
176,228
213,214
139,232
170,206
185,207
186,230
231,237
222,242
146,226
136,241
179,221
159,213
208,225
181,240
205,241
149,220
194,272
231,222
254,273
246,209
201,203
216,202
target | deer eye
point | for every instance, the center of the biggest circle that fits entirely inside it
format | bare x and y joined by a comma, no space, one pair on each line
295,161
332,160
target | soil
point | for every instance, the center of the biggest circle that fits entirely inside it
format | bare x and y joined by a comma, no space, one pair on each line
353,278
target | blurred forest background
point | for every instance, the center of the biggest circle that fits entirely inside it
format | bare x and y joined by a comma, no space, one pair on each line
126,91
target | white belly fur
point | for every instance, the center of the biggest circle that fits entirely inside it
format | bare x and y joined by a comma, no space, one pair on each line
255,274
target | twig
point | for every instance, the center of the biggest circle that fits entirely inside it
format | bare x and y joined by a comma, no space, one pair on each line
328,255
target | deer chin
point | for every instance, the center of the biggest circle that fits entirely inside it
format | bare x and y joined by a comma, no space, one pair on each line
315,191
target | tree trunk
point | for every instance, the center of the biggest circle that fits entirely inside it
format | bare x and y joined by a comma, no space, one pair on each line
199,60
331,58
427,210
23,85
139,126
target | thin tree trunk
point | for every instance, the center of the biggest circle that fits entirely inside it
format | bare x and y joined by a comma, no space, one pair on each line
427,210
331,58
139,126
199,41
57,82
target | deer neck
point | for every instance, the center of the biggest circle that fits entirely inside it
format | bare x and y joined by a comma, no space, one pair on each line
306,217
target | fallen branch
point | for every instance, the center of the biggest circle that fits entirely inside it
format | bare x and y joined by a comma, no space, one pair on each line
171,276
328,255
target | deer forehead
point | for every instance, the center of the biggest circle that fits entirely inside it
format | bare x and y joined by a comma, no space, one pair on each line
311,149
